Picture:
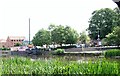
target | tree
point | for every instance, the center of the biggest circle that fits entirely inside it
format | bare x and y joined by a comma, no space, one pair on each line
51,27
17,44
58,35
84,39
42,37
114,37
117,17
64,35
101,22
71,36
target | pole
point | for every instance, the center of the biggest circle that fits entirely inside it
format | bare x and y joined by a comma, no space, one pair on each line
98,37
29,31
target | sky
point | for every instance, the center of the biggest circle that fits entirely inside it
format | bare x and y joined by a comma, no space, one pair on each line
15,14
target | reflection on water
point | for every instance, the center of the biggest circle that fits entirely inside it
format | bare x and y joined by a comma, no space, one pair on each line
64,57
69,57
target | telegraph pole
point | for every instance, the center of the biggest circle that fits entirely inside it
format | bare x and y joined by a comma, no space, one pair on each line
29,31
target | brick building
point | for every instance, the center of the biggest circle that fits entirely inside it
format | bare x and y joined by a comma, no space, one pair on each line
11,41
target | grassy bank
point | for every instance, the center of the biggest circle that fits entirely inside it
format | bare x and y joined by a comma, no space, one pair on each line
57,66
112,53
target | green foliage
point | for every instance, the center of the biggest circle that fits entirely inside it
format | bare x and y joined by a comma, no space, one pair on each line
112,53
57,66
102,22
114,37
4,49
71,36
59,52
17,44
56,35
84,39
64,35
51,27
117,17
104,42
42,37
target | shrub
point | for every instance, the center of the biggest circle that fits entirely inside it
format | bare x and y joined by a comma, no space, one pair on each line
4,48
59,52
17,44
112,53
7,48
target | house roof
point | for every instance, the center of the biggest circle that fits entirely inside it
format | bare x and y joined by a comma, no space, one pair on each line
16,37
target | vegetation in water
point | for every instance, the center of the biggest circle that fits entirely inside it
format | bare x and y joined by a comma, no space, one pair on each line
58,52
57,66
112,53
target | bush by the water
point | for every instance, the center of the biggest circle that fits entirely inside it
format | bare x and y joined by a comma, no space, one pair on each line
4,48
57,66
112,53
59,51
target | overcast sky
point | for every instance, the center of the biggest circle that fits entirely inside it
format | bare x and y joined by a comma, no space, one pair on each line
14,14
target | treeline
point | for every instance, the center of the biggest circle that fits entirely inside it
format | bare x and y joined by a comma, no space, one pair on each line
104,23
56,35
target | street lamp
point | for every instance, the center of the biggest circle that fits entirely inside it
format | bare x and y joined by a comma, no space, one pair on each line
117,2
98,35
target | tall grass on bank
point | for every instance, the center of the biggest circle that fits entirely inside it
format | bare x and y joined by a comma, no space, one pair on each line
112,53
57,66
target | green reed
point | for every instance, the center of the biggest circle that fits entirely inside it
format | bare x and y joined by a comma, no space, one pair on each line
20,65
112,53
